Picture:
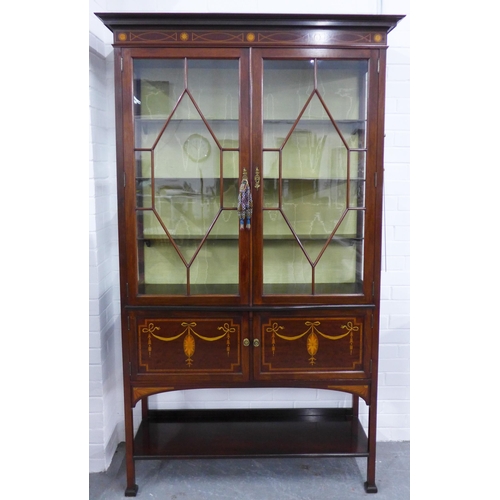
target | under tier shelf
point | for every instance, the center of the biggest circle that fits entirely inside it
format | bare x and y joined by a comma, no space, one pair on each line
244,433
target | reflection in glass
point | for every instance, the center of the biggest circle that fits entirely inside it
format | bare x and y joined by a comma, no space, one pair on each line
287,86
342,85
157,86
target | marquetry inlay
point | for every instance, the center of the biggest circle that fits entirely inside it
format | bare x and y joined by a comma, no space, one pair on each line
265,37
314,345
140,392
313,332
210,345
189,333
362,391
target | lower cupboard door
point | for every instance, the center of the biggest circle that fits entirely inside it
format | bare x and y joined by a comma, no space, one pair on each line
312,347
190,348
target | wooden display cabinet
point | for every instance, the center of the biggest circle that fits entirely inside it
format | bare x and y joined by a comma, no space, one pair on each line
250,170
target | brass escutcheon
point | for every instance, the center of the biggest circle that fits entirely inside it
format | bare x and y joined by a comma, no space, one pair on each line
257,179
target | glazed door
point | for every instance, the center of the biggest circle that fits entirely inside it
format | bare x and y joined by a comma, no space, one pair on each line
313,175
187,117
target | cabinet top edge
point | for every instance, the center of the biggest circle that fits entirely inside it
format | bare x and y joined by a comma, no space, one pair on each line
130,20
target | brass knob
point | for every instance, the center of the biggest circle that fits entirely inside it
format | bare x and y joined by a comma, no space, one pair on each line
256,342
246,342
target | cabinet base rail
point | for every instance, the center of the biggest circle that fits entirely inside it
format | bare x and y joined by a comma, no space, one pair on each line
244,433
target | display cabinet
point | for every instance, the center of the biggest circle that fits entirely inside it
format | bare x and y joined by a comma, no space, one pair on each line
250,171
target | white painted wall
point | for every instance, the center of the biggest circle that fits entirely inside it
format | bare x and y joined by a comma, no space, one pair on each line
106,428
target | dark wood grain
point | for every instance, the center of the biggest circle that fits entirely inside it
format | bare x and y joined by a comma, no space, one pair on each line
246,433
174,337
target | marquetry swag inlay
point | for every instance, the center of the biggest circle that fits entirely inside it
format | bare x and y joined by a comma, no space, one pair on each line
188,331
313,333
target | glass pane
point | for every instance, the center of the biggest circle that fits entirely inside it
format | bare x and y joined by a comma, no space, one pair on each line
336,271
162,268
215,268
287,86
147,132
143,180
158,84
230,169
340,268
353,133
159,262
342,85
187,161
356,194
313,207
357,165
214,85
314,164
286,268
292,274
271,163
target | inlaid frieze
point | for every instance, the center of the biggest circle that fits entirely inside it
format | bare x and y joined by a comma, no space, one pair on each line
255,38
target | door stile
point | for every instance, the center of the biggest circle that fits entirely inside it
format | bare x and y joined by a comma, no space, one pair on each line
246,243
256,144
374,175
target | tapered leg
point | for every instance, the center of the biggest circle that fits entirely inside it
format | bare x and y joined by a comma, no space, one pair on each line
131,490
145,408
355,405
370,486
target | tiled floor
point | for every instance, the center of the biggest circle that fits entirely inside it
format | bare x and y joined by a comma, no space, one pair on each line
260,479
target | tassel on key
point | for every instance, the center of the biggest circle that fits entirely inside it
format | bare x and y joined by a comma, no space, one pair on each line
245,202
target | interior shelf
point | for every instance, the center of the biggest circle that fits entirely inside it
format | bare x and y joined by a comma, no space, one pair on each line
244,433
